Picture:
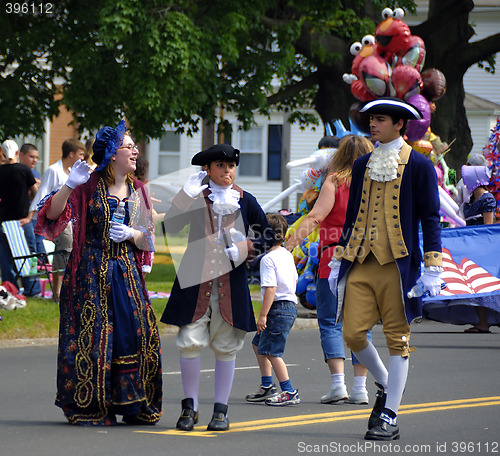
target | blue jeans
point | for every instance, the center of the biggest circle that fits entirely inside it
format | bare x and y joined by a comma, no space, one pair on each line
31,286
280,319
40,248
330,332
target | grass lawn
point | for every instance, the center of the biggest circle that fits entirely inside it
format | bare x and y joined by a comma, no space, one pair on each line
40,317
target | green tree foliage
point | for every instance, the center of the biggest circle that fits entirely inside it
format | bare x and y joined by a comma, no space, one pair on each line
160,61
166,61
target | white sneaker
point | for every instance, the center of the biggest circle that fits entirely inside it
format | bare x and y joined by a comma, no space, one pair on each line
358,397
284,398
336,394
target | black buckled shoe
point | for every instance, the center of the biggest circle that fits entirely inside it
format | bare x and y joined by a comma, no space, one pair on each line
387,429
188,417
219,422
380,398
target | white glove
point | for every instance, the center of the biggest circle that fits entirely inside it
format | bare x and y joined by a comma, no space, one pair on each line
193,186
334,275
79,174
431,280
118,232
233,252
237,236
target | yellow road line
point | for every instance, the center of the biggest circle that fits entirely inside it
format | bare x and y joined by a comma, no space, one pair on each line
302,420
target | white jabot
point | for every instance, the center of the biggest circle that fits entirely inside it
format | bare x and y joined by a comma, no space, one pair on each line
225,199
383,164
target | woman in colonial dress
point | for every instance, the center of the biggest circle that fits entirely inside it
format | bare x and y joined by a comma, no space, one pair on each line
109,358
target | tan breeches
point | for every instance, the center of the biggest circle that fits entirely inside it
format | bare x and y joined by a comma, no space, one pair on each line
373,291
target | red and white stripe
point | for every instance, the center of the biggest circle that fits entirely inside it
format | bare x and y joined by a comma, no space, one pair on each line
466,277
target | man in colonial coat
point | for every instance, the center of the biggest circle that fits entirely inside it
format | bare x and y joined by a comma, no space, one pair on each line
393,192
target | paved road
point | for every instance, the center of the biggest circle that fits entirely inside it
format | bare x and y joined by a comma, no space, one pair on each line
451,405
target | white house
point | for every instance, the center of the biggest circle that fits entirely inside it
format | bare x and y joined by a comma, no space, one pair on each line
266,148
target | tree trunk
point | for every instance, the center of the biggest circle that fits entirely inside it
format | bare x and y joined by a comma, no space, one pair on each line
334,97
444,47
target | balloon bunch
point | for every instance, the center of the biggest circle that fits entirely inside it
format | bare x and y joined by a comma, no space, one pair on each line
492,153
390,64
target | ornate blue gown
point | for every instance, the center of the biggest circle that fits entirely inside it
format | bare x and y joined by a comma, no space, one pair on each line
109,358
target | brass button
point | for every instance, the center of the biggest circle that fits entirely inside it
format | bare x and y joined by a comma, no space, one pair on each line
221,295
212,272
207,293
213,261
221,284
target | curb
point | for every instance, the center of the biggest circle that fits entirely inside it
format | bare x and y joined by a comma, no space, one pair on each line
300,323
305,323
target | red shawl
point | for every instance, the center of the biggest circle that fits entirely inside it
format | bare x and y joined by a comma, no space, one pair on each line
76,212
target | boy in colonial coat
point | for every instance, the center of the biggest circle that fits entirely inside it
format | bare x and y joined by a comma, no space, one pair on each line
210,300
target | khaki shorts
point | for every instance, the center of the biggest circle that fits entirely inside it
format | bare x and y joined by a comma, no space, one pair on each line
63,242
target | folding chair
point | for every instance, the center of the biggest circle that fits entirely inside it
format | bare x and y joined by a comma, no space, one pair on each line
22,256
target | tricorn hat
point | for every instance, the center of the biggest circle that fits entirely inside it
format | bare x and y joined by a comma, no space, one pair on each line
392,106
224,152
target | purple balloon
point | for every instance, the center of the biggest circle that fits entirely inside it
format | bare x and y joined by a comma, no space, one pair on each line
417,128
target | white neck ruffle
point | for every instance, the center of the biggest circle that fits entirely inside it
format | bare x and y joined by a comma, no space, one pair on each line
224,199
383,164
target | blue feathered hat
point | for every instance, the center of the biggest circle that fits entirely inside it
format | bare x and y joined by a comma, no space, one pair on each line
107,141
